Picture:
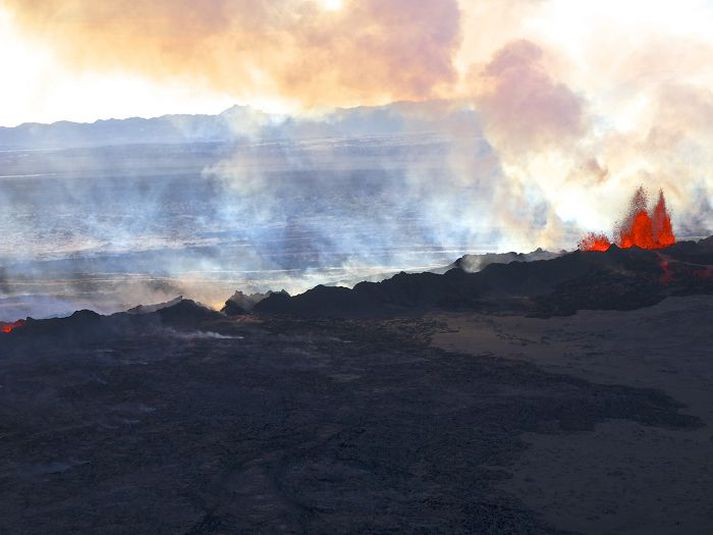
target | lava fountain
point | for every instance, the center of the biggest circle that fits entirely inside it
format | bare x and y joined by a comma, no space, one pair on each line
644,228
595,242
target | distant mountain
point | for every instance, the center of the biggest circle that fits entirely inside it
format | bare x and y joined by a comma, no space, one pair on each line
168,129
240,123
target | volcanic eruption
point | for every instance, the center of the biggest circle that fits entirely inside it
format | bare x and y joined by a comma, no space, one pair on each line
644,228
7,328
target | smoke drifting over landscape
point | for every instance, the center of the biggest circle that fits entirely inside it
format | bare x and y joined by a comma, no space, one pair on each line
304,50
522,132
310,202
565,121
340,266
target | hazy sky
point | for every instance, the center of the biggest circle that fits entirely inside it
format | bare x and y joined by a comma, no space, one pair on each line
578,101
89,59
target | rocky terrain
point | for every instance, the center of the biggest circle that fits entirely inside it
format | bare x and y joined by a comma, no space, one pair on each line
324,426
621,477
488,402
618,279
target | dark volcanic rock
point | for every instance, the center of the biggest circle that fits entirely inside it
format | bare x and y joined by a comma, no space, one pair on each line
147,309
618,279
232,308
476,262
86,326
700,252
240,303
187,314
297,427
81,325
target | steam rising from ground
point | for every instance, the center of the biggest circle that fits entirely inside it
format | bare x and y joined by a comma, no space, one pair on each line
578,100
144,224
553,111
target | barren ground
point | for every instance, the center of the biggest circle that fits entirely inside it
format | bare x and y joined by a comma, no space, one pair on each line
443,424
621,477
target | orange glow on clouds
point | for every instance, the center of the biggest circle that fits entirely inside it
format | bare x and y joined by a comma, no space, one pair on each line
578,100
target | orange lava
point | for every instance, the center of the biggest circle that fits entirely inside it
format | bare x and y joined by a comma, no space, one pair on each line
639,232
661,221
595,242
644,228
7,328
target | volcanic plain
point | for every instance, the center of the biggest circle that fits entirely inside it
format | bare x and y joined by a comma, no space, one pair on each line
455,403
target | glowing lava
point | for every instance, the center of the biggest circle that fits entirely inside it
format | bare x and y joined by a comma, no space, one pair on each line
7,328
661,222
595,242
644,228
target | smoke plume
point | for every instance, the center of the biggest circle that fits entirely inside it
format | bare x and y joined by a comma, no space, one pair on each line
536,119
367,52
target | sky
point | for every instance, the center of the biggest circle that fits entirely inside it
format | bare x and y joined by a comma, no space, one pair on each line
578,99
85,60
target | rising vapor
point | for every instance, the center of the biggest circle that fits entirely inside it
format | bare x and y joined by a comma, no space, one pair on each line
578,100
550,112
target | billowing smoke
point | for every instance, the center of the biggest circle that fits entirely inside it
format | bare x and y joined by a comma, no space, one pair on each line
569,153
289,203
550,112
365,52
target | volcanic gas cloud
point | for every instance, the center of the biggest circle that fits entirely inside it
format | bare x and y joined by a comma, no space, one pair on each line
644,228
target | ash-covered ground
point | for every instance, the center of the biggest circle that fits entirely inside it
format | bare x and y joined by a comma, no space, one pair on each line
563,411
286,426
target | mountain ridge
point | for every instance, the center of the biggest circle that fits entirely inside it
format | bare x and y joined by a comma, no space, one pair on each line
241,122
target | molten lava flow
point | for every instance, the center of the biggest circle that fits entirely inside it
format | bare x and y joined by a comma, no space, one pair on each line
661,221
7,328
595,242
641,228
638,232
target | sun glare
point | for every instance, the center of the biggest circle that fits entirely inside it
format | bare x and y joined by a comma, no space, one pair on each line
43,90
332,5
